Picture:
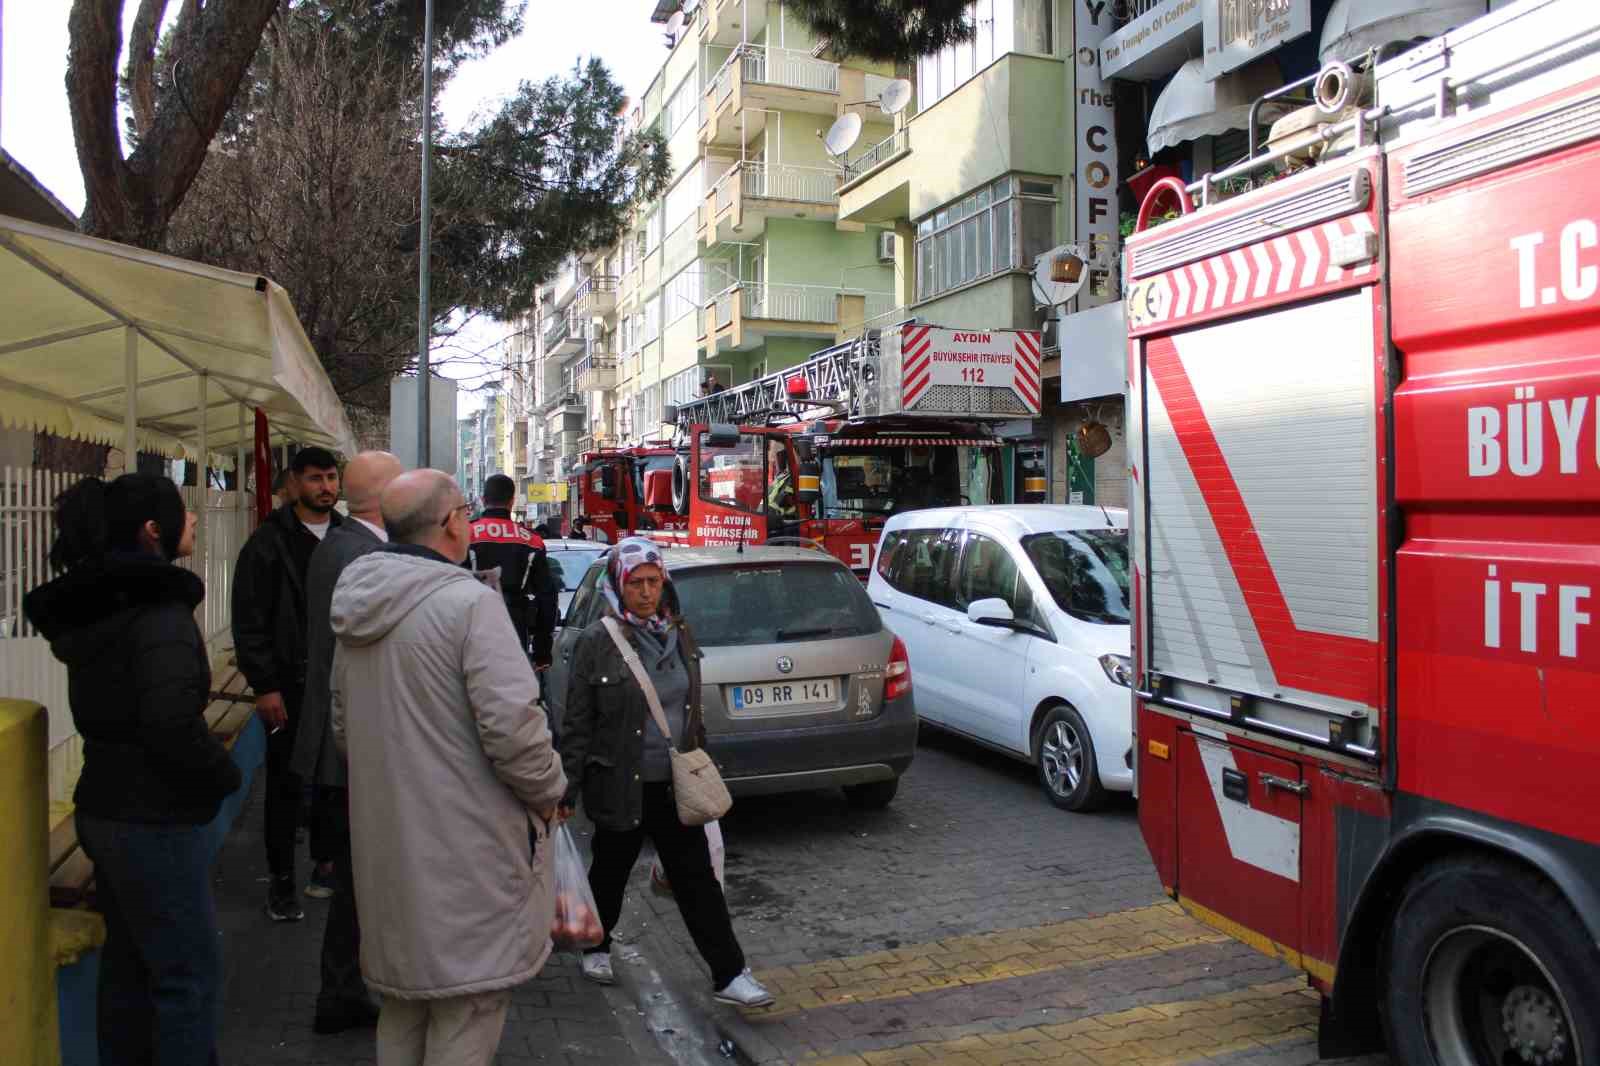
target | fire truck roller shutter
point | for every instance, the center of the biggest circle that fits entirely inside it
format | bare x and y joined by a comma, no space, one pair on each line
1262,501
681,483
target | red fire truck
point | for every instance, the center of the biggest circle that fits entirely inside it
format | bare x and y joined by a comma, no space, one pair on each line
826,451
621,490
1365,444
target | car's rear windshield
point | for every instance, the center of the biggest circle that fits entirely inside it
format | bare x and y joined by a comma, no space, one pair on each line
772,604
1086,571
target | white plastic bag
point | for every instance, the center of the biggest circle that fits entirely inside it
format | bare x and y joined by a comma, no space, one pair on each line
577,921
658,876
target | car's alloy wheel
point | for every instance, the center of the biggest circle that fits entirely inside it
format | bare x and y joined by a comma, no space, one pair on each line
1064,753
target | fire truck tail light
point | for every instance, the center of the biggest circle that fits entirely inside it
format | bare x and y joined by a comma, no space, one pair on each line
897,678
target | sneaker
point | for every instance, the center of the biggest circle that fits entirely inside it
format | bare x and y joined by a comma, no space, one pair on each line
744,991
321,885
597,968
281,904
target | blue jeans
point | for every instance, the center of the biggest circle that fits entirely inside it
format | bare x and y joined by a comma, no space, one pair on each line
161,968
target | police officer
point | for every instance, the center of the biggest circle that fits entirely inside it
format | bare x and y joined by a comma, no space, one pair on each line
500,541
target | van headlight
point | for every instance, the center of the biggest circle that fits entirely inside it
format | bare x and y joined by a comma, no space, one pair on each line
1119,668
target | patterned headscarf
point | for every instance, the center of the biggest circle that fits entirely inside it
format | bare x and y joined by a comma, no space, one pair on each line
626,557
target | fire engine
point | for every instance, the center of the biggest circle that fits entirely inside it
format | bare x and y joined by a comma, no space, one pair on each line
1366,544
623,490
824,452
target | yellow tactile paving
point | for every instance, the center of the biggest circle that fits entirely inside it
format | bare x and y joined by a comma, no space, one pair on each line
967,960
1162,1034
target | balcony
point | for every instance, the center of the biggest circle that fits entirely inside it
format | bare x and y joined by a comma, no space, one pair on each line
881,154
757,79
573,335
746,314
727,22
750,193
595,373
557,332
564,414
596,297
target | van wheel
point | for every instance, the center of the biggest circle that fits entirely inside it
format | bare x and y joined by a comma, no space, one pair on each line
1064,753
872,796
1488,964
680,484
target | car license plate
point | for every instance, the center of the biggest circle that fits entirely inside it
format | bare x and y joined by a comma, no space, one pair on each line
783,693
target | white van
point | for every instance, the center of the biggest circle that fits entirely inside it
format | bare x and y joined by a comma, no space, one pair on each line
1016,619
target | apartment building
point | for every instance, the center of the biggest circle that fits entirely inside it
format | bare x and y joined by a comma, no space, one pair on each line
1006,153
744,266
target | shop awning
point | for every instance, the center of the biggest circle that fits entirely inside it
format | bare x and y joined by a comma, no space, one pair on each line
1354,26
80,318
1191,107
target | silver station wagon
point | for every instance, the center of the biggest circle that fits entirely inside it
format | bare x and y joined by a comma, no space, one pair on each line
803,685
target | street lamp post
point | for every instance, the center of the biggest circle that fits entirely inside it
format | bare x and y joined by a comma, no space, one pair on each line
424,323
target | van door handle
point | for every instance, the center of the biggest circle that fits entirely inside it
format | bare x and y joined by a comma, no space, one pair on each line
932,620
1272,781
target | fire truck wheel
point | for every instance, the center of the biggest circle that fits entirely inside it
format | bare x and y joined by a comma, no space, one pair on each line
1489,964
680,484
1063,751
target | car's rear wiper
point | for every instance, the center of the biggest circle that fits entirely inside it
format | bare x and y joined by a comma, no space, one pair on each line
790,634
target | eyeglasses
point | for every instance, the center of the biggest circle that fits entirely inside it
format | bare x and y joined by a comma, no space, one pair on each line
445,524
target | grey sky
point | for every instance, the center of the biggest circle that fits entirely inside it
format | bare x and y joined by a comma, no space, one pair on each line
36,129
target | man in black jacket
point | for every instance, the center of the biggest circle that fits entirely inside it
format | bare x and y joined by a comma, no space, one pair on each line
269,638
498,540
343,1003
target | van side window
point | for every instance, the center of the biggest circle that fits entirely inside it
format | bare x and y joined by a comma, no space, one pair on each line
889,555
989,572
580,610
924,565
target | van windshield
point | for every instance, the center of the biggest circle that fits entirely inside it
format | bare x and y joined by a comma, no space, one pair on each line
1086,571
767,604
643,466
867,482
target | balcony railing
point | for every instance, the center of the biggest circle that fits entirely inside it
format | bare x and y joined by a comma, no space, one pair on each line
879,154
722,192
722,308
685,385
788,68
811,185
605,283
595,372
791,303
557,331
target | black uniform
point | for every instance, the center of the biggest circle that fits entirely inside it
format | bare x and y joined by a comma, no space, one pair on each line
499,541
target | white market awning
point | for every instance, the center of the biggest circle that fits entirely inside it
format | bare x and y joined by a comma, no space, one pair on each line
1191,107
1355,26
204,347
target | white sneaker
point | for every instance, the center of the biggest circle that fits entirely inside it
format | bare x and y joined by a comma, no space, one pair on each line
597,968
745,991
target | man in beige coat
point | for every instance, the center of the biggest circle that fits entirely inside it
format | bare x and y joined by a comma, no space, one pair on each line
449,759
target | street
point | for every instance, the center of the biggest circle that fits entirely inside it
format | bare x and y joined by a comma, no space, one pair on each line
972,922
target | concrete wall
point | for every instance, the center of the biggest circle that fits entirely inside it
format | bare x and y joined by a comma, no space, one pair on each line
1001,302
799,252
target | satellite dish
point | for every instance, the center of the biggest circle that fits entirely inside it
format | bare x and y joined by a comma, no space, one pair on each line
895,96
675,24
1059,274
843,134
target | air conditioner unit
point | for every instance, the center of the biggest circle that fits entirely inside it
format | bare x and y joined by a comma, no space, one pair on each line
886,246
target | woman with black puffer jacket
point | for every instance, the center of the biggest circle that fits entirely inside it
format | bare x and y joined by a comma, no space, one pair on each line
120,615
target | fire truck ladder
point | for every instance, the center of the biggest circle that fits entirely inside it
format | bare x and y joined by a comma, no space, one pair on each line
830,376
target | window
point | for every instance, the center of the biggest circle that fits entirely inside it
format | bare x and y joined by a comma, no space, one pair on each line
569,566
650,239
730,606
924,565
889,479
650,321
989,572
580,612
1034,31
683,294
734,476
680,106
1086,571
973,237
682,200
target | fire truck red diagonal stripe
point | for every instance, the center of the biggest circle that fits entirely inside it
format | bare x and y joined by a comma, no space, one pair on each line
1316,662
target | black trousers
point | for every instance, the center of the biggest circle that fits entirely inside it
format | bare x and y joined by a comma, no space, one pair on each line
341,937
284,793
686,858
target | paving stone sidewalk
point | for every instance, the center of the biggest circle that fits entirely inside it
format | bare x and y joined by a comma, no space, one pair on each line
272,977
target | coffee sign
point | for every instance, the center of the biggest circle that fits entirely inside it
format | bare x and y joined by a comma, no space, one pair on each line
1237,32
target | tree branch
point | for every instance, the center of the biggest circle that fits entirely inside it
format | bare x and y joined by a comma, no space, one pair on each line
95,36
142,63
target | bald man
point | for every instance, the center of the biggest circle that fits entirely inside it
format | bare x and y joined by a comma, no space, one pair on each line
450,758
343,1002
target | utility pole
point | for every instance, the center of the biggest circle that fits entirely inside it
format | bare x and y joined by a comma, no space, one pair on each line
424,316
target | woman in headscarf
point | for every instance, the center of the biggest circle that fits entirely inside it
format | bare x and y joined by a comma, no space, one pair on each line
120,615
617,759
